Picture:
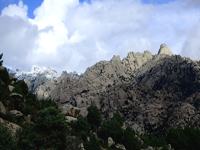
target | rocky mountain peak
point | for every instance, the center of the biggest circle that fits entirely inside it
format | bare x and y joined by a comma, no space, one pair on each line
116,59
165,50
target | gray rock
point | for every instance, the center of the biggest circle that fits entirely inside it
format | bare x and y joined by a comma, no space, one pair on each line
13,128
120,146
81,147
110,142
2,68
11,88
70,119
16,113
29,118
165,50
2,108
149,148
69,110
16,95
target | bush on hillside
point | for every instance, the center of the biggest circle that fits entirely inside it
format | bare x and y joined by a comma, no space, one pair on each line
118,118
111,128
21,88
93,144
49,131
18,90
82,125
94,116
6,140
187,138
129,140
4,76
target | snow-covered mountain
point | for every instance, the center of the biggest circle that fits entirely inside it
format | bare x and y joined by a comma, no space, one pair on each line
42,81
45,72
32,75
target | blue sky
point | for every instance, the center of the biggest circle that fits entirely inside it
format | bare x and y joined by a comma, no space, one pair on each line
68,35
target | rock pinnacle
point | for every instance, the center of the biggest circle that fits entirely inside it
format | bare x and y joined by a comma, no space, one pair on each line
165,50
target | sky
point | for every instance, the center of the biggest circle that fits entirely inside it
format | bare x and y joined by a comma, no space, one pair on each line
72,35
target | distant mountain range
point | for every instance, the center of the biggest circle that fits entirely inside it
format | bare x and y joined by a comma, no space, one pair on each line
44,72
42,81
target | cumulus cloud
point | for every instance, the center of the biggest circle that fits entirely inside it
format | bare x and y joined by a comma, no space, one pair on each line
69,35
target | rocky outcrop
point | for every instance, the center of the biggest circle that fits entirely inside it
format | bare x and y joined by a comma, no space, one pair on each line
120,147
70,119
2,68
16,95
16,113
164,50
69,110
110,142
13,128
165,96
44,90
151,92
2,108
11,88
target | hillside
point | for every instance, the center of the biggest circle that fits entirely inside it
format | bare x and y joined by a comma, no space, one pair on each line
140,101
151,92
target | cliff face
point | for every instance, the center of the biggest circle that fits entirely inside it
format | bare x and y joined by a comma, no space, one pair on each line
151,92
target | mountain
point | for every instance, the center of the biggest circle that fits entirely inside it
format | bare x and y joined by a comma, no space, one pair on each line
42,81
32,75
151,92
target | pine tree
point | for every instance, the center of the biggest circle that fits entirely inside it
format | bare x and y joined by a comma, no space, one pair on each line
1,61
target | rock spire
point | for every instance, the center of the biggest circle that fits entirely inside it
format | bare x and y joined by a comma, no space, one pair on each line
165,50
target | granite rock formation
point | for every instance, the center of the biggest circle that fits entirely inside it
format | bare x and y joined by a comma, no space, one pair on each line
151,92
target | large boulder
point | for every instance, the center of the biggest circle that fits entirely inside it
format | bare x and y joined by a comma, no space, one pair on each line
70,119
69,110
2,108
120,146
2,68
16,113
110,142
11,88
16,95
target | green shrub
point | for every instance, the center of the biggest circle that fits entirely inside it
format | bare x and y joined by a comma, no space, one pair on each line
94,116
27,110
1,61
184,139
48,103
118,118
4,76
49,131
82,125
155,141
18,90
6,140
93,144
21,88
129,140
83,135
2,91
27,137
112,129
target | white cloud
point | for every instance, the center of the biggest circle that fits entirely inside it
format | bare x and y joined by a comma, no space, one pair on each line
68,35
15,10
